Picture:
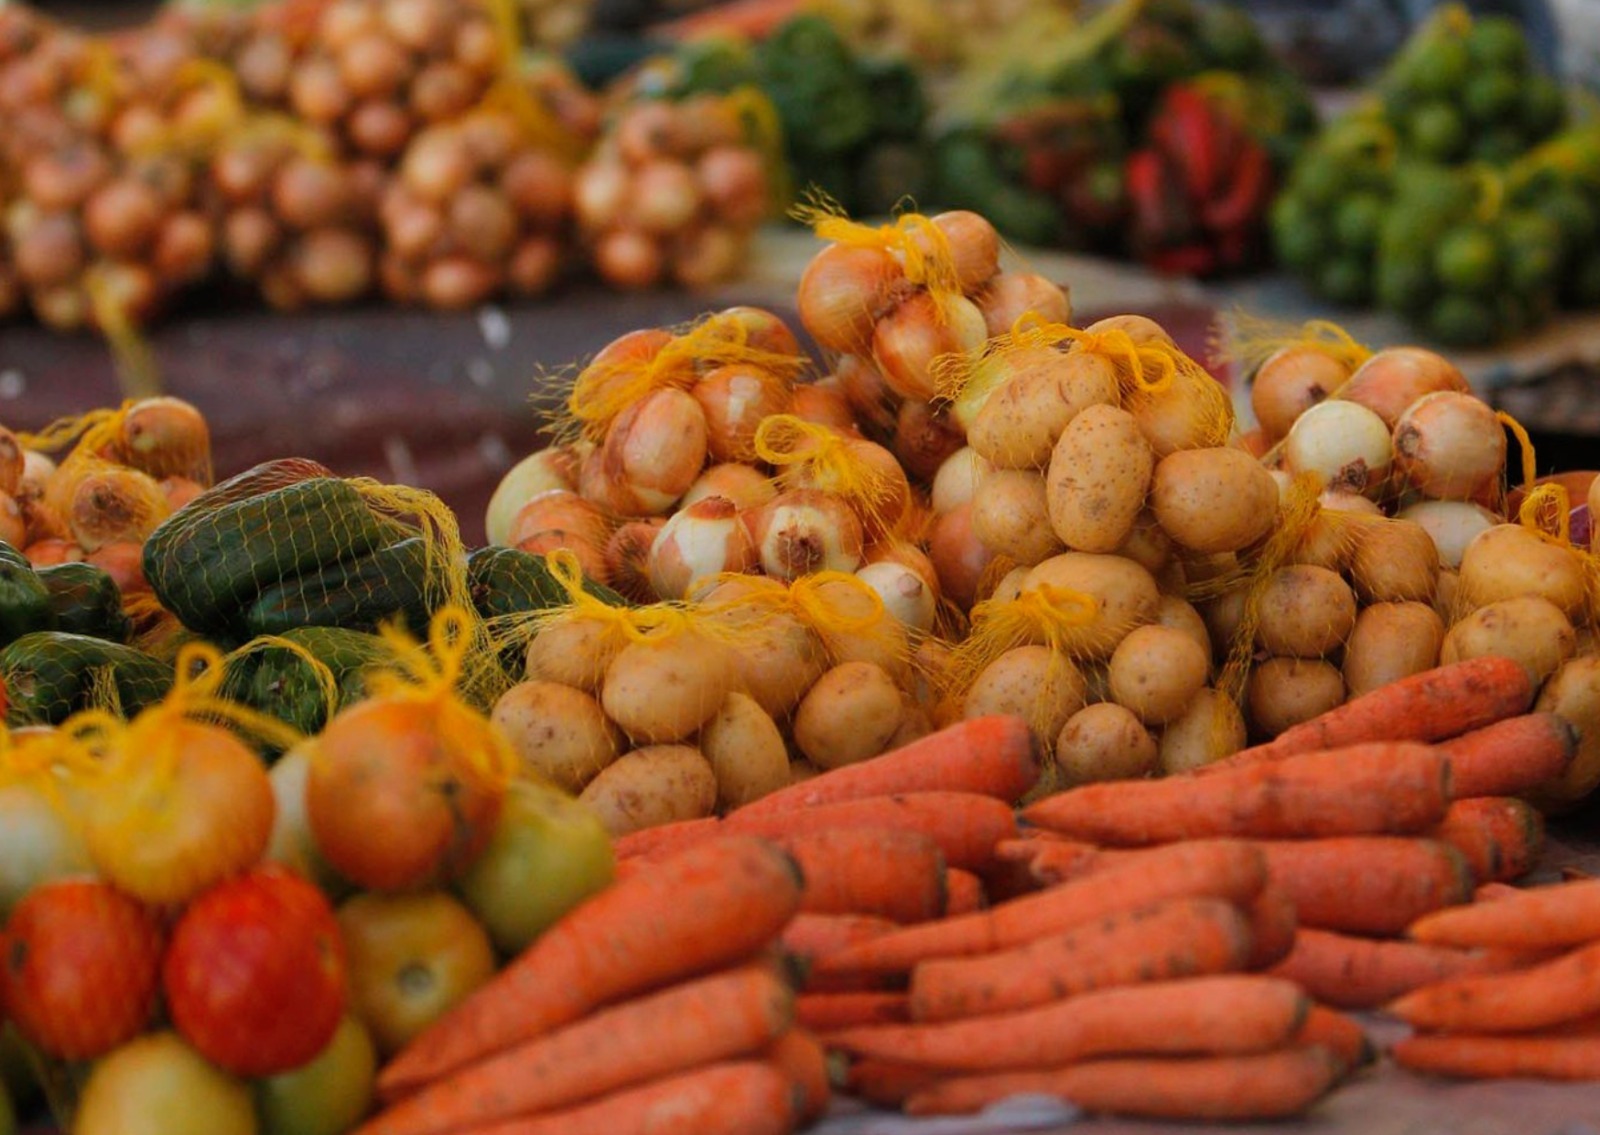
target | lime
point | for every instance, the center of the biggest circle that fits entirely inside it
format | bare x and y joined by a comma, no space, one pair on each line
1533,251
1321,178
1438,68
1345,280
1437,131
1463,321
1492,95
1499,145
1575,215
1497,41
1544,107
1357,222
1405,284
1298,235
1468,260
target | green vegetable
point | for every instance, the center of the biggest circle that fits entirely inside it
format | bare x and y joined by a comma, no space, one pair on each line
49,675
24,599
87,601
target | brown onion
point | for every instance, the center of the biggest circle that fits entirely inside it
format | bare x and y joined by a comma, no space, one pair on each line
478,48
924,437
122,218
442,91
241,173
698,543
1450,446
123,561
629,259
563,511
482,221
184,248
13,463
308,194
51,551
657,447
707,255
264,66
600,193
918,331
373,66
804,531
843,291
646,131
957,479
13,527
249,239
958,555
179,491
1289,383
411,227
974,247
735,399
379,127
541,472
114,505
535,265
331,266
454,283
823,404
166,437
64,178
540,187
628,559
437,165
1011,295
343,21
1391,380
745,485
665,197
418,24
735,183
762,329
875,406
317,93
906,595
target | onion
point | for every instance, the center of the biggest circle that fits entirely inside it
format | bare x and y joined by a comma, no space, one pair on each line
48,251
1256,443
437,165
136,128
535,265
875,406
1391,380
418,24
1594,515
906,342
697,543
1452,524
379,127
628,259
64,178
561,511
122,218
411,227
49,552
1329,540
166,437
600,192
398,278
63,307
1289,383
249,239
442,91
957,479
1450,446
129,288
657,447
242,173
735,183
332,265
746,486
114,505
317,93
123,561
708,254
628,559
13,463
264,65
538,473
179,491
1343,443
540,187
958,555
647,130
455,283
343,21
13,527
824,404
974,247
924,438
483,222
763,330
492,138
734,400
373,66
804,531
664,197
308,194
478,48
905,594
1011,295
184,248
843,291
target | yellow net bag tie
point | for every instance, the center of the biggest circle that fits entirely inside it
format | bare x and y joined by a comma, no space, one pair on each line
327,681
809,453
1136,361
920,245
978,373
48,763
269,128
1246,341
197,137
809,600
654,622
1546,511
1530,464
96,429
131,352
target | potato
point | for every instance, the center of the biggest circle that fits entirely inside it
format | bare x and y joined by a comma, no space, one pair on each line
1304,612
915,722
746,751
1098,479
1010,515
1391,641
802,770
575,652
1126,595
781,660
1394,561
1210,728
1148,545
1286,691
1180,614
849,715
1529,630
1156,672
663,690
1447,599
1508,561
1031,683
1223,617
1214,500
1019,423
884,643
1330,538
1573,692
560,734
1104,742
1140,328
1193,412
655,785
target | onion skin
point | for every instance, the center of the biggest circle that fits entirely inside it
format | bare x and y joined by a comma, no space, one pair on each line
906,342
823,404
657,447
562,511
734,400
700,542
1450,446
958,478
1345,443
958,555
745,485
1010,295
974,247
924,438
842,293
1289,383
804,531
541,472
1391,380
905,594
627,555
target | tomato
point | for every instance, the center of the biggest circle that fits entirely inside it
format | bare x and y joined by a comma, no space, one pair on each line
328,1096
547,854
413,957
165,827
158,1085
37,843
82,967
255,975
292,843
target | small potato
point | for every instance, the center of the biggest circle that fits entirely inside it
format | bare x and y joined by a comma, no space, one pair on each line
1214,500
656,785
915,722
1125,594
1032,683
1574,693
1447,599
1010,515
1528,630
1180,614
1099,476
1391,641
1018,424
1104,742
746,752
1304,612
884,642
1224,617
575,652
1286,691
781,660
1147,544
663,691
1394,561
1156,672
851,714
1208,730
560,734
1193,412
1508,561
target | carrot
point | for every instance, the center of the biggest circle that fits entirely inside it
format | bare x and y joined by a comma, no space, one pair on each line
1340,1034
1229,1013
827,1012
1511,756
809,936
966,826
721,1017
885,872
666,839
1224,869
1496,1057
1056,862
1367,884
744,1097
1550,993
1379,787
801,1058
1563,914
1362,973
963,892
1161,942
988,756
701,910
1273,922
1500,836
1270,1085
1494,891
887,1083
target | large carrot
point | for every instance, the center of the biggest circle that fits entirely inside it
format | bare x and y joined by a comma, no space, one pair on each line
1230,1013
1274,922
1367,884
1525,1000
1563,914
1270,1085
966,826
1500,836
708,907
801,1057
887,1083
1501,1057
1379,787
827,1012
885,872
721,1017
666,839
1057,860
809,936
1167,940
1340,1034
1226,869
744,1097
1511,756
990,756
963,892
1362,973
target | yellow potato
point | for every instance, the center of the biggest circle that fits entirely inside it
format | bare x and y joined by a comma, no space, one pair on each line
1391,641
884,641
1208,730
1304,612
1224,617
1148,545
1286,691
746,751
560,734
575,652
1099,476
915,722
1508,561
1181,615
655,785
1214,500
1573,692
1125,597
663,690
1193,412
1019,423
1447,599
851,714
1032,683
1156,671
1104,741
1330,538
1010,516
779,660
1528,630
1394,561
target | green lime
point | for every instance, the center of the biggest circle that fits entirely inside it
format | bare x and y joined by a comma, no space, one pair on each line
1497,41
1405,284
1468,260
1499,145
1298,234
1575,215
1437,131
1533,251
1463,321
1492,95
1346,280
1437,69
1357,222
1544,107
1321,178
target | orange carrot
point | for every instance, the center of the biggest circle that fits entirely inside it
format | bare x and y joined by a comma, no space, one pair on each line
722,1017
1564,914
809,936
1379,787
988,756
1500,836
744,1097
1226,869
1362,973
1273,921
963,893
1340,1034
1057,861
1491,892
801,1058
666,839
1511,756
966,826
1525,1000
1367,884
885,872
1498,1057
887,1083
1161,942
827,1012
1230,1013
1270,1085
706,908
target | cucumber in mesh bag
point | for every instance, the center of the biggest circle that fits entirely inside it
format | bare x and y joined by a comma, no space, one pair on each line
357,594
24,599
281,683
87,601
50,675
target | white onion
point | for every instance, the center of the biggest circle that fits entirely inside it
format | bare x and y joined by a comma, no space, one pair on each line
537,473
1452,524
1344,443
699,542
957,479
905,595
804,531
1450,446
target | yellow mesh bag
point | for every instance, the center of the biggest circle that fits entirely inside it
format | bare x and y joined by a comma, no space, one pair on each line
912,238
809,455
